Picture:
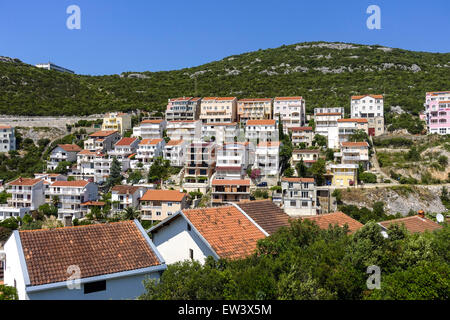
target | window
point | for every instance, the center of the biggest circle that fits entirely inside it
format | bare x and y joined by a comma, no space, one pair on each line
169,204
293,203
158,213
95,286
305,194
191,254
304,204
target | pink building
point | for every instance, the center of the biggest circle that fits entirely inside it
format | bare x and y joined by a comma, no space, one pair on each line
437,112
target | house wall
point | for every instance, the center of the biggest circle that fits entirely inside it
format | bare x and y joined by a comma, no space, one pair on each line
14,267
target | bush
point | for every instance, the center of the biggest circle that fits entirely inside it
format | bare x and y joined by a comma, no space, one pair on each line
368,177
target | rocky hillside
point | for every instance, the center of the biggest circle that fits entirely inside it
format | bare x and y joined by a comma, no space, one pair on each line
326,74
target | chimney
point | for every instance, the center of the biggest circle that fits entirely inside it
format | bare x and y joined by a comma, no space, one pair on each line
421,214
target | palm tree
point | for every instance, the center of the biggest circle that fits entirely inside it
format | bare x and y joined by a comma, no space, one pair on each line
130,213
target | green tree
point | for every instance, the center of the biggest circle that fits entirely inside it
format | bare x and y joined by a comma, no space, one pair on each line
320,140
8,293
115,174
358,136
318,170
302,171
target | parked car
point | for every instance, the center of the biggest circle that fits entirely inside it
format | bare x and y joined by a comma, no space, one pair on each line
262,185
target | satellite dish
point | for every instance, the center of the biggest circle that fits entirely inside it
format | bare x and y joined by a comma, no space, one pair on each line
440,218
384,234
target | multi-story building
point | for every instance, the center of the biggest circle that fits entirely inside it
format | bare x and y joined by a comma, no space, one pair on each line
302,135
148,150
291,110
200,165
344,175
267,158
220,132
257,131
157,205
85,164
299,196
327,125
52,66
186,130
7,138
26,195
330,110
63,152
309,156
370,107
354,153
437,112
175,152
347,127
70,195
218,109
117,121
102,141
254,109
186,108
233,159
123,150
123,196
234,190
150,129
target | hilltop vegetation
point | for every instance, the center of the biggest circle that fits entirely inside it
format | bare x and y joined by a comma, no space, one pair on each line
326,74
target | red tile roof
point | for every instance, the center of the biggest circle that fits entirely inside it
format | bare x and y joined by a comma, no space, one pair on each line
70,147
375,96
256,100
5,127
174,142
301,129
157,121
359,120
329,114
126,141
124,189
288,98
24,182
150,141
269,144
339,218
266,122
75,184
306,151
229,232
355,144
413,224
94,203
103,133
97,249
302,180
163,195
220,182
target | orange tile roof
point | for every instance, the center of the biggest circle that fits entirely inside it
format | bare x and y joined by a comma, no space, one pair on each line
70,147
302,180
102,133
375,96
221,124
126,141
229,232
355,144
163,195
150,141
329,114
124,189
269,144
184,121
174,142
76,184
300,129
157,121
5,127
24,182
97,249
223,182
255,100
305,151
444,102
288,98
219,98
413,224
181,99
434,93
94,203
266,122
360,120
88,152
339,218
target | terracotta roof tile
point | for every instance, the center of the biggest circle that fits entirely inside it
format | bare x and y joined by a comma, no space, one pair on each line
339,218
355,144
329,114
359,120
174,142
97,249
77,184
288,98
269,144
124,189
230,233
24,182
126,141
375,96
223,182
266,122
255,100
163,195
413,224
151,141
103,133
300,129
157,121
302,180
70,147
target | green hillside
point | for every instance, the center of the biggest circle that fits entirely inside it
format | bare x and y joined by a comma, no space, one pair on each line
325,74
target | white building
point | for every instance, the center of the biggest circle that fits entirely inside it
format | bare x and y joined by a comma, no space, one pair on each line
186,108
111,261
175,152
233,159
7,138
348,127
299,196
218,109
123,196
267,158
220,132
291,110
302,135
123,150
370,107
148,150
102,141
150,129
186,130
330,110
327,125
52,66
63,152
71,194
257,131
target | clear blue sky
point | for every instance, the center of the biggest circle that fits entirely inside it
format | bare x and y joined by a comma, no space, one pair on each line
141,35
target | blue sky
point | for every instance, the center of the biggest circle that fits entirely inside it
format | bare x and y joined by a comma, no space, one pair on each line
141,35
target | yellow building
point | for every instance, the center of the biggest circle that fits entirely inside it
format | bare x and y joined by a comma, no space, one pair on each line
117,121
344,175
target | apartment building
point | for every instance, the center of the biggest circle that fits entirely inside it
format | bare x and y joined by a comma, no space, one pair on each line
220,132
186,108
234,190
147,151
123,196
299,196
291,110
123,150
49,178
200,164
302,135
254,109
150,129
330,110
344,175
157,205
63,152
186,130
71,195
175,152
437,112
327,125
347,127
26,195
257,131
103,141
117,121
218,109
7,138
233,159
354,153
267,158
370,107
85,164
307,155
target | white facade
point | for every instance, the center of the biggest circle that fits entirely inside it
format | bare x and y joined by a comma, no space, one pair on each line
330,110
62,153
150,129
186,108
7,138
222,132
148,150
186,130
267,158
370,107
233,159
102,141
327,125
124,197
292,111
26,195
257,131
52,66
299,196
218,109
175,152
